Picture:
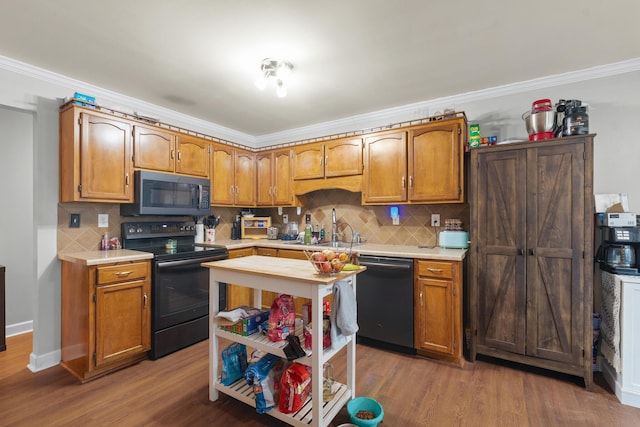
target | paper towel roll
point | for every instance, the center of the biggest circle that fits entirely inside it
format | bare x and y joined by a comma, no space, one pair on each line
199,233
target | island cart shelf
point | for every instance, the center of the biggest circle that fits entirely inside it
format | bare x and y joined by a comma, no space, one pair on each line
293,277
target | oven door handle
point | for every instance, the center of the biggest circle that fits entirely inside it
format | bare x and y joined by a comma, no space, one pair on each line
178,263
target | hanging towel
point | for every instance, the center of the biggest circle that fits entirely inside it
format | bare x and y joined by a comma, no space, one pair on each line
344,320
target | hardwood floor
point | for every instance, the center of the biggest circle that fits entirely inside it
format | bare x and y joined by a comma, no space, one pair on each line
414,391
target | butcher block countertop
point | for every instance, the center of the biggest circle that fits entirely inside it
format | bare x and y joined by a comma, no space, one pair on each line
291,269
374,249
104,257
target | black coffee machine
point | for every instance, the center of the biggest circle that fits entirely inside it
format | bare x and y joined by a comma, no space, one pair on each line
619,245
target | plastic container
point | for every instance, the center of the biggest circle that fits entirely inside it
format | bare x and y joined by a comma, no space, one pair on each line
365,404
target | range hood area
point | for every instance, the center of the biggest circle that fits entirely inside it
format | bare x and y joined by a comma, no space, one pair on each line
352,184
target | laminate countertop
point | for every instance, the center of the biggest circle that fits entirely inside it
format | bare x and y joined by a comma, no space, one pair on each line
104,257
375,249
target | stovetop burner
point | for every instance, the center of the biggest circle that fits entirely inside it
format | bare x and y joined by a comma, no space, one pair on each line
154,237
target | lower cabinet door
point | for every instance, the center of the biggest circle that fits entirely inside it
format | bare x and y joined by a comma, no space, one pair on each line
435,321
123,321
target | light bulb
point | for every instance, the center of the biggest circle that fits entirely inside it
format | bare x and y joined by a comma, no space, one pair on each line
261,82
283,71
282,90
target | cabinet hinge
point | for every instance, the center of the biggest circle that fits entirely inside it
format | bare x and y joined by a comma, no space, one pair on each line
459,130
79,188
454,291
80,120
459,191
584,155
95,357
133,157
455,344
209,149
95,299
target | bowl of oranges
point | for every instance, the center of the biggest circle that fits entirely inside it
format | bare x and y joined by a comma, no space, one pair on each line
330,260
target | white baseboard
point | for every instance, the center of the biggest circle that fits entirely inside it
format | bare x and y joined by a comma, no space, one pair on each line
19,328
36,362
44,361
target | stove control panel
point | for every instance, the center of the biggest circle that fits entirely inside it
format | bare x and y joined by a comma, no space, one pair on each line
142,230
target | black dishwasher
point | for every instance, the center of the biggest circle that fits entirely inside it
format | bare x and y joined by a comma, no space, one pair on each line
384,295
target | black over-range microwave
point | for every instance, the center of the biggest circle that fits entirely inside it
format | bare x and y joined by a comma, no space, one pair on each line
159,193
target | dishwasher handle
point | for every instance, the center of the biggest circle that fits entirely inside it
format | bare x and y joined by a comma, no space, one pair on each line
387,266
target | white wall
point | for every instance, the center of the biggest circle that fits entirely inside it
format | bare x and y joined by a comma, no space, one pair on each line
614,114
17,251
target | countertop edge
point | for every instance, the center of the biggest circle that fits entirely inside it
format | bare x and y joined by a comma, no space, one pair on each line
104,257
375,249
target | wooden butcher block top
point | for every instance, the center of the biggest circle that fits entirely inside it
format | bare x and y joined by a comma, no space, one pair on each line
292,269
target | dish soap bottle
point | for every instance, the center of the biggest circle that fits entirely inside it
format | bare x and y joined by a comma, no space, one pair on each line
307,234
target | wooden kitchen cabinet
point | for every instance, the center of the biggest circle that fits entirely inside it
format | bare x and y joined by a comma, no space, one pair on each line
531,256
192,155
422,164
273,176
106,316
334,158
233,178
435,162
438,309
385,168
95,157
239,295
162,150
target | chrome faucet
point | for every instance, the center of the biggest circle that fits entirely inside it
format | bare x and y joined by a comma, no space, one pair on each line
334,230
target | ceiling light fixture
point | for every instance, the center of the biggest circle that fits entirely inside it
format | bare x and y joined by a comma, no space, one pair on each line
274,69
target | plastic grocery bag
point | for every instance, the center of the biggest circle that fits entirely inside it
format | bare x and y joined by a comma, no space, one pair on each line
264,377
234,363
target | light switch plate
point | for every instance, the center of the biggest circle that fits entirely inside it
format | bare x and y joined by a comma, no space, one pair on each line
103,220
74,221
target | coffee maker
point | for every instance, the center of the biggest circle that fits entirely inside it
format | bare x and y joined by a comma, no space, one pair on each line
618,236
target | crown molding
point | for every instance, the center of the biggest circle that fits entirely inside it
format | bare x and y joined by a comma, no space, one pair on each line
345,125
127,102
409,111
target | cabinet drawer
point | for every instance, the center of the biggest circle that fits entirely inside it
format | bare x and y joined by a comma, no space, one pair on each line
443,269
238,253
122,272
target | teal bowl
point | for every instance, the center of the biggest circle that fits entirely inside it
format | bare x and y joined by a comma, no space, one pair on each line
365,404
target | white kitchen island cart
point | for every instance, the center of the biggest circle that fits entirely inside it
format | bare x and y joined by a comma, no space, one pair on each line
293,277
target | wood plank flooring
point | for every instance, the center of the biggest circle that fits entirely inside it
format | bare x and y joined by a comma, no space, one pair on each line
414,391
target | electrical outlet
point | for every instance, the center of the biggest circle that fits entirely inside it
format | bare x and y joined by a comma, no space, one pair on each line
435,220
307,219
74,221
103,220
285,219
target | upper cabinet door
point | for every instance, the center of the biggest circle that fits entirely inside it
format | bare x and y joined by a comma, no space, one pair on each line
435,163
282,182
264,179
222,175
385,168
192,157
308,161
154,149
343,157
245,178
105,158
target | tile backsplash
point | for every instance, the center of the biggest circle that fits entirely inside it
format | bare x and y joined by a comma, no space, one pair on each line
372,222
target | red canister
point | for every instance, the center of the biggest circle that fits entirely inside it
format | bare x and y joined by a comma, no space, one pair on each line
541,105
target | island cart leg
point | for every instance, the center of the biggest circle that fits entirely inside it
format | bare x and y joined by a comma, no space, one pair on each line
351,353
214,308
316,357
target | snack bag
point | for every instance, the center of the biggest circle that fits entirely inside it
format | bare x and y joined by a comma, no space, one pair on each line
264,377
234,363
295,388
282,317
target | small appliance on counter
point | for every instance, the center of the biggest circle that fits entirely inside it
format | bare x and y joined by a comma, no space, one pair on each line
272,233
619,245
453,239
567,118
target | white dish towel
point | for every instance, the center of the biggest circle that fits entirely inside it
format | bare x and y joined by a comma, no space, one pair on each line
344,318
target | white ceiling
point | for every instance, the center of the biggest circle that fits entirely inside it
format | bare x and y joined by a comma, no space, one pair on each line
201,57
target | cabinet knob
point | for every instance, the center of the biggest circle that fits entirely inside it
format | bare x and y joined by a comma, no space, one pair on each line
520,252
403,182
173,154
179,155
123,273
532,252
145,298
